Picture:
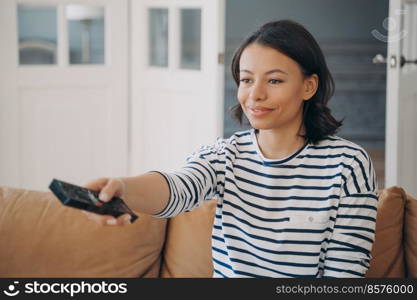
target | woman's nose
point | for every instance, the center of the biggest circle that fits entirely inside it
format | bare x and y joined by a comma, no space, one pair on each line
257,92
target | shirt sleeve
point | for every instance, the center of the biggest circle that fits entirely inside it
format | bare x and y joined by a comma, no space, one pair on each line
199,180
349,250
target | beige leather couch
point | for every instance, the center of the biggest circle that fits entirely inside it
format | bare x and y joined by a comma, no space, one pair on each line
39,237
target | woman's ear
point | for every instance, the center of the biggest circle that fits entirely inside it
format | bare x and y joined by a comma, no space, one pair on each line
311,85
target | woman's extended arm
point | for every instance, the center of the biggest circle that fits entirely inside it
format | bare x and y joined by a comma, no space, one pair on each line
164,194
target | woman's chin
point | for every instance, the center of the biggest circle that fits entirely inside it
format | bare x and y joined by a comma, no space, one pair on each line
260,125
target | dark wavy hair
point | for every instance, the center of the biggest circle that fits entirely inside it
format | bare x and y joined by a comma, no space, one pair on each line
293,40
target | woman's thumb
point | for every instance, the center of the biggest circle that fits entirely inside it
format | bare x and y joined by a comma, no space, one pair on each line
104,195
112,188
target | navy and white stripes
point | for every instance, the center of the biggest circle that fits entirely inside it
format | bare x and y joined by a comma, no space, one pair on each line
311,214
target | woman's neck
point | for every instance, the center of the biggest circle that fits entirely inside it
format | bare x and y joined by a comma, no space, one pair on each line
278,144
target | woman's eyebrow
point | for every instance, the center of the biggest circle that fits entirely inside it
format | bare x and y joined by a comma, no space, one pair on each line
266,73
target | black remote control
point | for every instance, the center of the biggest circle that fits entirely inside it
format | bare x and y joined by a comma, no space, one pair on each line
86,199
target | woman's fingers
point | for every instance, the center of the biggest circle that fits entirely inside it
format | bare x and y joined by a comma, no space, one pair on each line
99,219
107,219
124,219
97,184
114,187
107,188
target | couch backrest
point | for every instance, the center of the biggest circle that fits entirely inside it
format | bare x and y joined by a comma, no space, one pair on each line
40,237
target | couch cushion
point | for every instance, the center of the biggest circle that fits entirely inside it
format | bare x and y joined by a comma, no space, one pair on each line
387,251
40,237
187,251
410,236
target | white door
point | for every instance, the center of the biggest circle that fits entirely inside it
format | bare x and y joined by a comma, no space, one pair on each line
401,131
63,91
177,80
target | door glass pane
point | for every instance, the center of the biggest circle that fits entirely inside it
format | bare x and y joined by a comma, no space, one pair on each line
190,38
158,37
85,34
37,30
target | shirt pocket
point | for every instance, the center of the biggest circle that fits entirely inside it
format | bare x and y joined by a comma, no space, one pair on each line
306,233
309,221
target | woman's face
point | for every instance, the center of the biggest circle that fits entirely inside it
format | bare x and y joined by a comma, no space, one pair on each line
272,88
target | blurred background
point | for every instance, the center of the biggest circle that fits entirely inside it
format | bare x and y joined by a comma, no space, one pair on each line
116,88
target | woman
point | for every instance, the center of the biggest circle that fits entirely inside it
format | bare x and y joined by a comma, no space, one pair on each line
293,200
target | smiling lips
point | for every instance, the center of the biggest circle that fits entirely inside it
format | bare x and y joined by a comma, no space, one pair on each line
259,111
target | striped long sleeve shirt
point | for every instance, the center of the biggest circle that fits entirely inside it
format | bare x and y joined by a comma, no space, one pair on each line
311,214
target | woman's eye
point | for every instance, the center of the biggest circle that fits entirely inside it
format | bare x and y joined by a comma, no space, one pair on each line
274,81
245,80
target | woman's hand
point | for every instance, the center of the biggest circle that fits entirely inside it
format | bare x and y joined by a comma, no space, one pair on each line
108,188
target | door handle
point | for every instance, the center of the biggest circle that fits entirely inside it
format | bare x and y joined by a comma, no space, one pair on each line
380,59
405,61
